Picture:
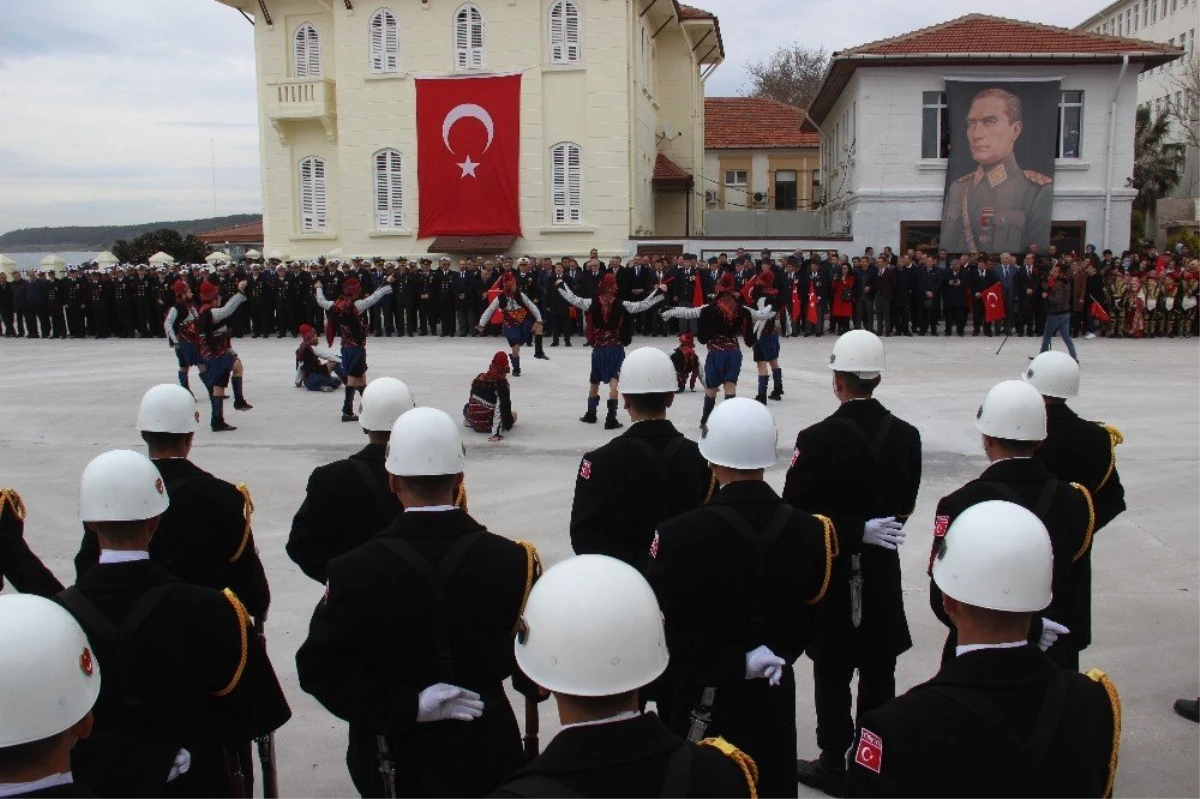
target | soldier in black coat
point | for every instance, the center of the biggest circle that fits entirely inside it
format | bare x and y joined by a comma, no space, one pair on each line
596,671
205,536
56,293
1064,508
861,622
651,473
1000,718
413,638
194,679
769,564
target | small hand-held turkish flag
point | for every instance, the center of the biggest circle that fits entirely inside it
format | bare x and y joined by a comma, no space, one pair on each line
812,306
795,302
1098,311
993,303
697,289
468,155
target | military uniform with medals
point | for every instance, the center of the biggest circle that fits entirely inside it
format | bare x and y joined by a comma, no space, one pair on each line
998,209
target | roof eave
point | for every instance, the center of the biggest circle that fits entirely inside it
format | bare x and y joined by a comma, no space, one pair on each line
842,66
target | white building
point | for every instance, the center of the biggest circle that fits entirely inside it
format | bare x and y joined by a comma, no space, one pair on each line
882,104
612,126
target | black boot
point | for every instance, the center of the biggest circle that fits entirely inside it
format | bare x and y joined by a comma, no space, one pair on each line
538,351
823,774
777,381
590,416
610,421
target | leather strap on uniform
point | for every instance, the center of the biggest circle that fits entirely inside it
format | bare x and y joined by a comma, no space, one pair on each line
831,552
712,489
9,498
745,762
1115,701
243,630
247,513
533,571
1115,439
460,499
1091,525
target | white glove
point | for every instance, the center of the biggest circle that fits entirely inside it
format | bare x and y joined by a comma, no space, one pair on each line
440,701
762,663
886,532
1051,630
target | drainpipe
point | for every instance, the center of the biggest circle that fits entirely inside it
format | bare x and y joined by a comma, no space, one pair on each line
1108,172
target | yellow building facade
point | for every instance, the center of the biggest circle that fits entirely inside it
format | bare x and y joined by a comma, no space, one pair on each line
609,89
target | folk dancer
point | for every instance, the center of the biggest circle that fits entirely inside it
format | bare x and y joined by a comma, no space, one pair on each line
221,362
345,321
489,408
519,313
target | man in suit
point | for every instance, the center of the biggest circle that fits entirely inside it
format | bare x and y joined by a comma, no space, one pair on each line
652,472
1000,718
1031,316
413,639
861,622
596,670
348,501
770,564
1006,276
980,277
186,681
1012,422
929,282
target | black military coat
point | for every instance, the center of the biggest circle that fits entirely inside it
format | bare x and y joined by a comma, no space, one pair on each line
627,758
1065,509
928,743
720,602
834,473
204,538
1084,452
622,492
373,645
342,508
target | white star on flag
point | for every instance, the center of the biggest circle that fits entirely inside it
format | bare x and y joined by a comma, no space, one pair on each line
468,168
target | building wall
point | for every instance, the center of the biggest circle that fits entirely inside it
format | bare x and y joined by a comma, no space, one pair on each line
876,177
610,104
761,165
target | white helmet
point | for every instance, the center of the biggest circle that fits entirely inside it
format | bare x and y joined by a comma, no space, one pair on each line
425,442
121,486
741,435
860,352
383,400
1012,410
51,678
592,627
168,408
1054,374
996,555
648,370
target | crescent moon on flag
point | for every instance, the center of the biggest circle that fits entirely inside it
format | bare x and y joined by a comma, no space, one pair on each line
468,111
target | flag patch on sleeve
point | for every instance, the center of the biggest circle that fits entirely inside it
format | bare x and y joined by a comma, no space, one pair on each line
940,525
585,469
870,751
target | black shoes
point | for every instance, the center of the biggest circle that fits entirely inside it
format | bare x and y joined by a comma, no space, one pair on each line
1188,708
349,417
776,395
242,405
821,776
221,427
588,418
611,423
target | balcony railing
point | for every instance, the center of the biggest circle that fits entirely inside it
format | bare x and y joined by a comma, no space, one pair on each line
300,99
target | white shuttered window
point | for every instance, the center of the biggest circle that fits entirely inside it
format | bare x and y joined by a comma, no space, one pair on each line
314,196
306,52
385,42
468,37
389,190
565,42
566,183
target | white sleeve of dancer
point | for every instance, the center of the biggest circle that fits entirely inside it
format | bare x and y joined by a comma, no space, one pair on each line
643,305
367,302
226,310
328,355
487,314
169,325
573,298
762,314
320,294
533,309
682,313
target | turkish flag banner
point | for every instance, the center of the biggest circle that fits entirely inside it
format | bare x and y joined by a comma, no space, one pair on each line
468,155
993,303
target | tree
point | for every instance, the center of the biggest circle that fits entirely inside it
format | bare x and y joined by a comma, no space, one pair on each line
184,249
792,75
1186,113
1157,162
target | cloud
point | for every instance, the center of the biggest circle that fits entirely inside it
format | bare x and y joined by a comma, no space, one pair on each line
111,110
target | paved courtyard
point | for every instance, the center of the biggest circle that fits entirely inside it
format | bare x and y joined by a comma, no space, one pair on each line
62,403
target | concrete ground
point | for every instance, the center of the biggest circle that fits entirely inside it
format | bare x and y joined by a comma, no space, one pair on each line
63,402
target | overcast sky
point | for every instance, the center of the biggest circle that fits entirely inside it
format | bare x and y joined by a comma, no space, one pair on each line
111,110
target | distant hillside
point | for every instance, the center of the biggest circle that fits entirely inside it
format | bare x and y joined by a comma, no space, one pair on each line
102,237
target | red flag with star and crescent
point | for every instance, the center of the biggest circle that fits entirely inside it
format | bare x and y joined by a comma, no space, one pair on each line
468,155
993,303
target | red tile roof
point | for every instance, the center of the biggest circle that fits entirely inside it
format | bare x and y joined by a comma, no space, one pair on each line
754,123
686,13
973,38
691,12
667,171
249,233
473,245
982,33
